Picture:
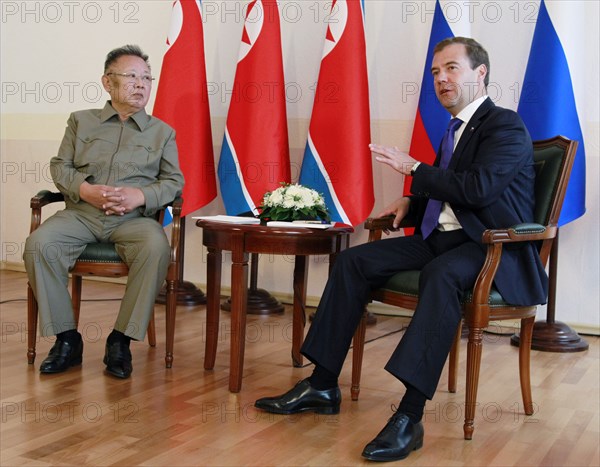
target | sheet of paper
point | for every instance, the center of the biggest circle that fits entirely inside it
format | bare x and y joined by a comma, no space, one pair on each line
296,224
229,219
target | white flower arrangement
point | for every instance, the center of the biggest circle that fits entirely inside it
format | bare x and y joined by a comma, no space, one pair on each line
293,202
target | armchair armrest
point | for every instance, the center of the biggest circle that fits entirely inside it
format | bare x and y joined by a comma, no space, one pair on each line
520,233
376,226
495,238
40,200
176,237
44,197
177,205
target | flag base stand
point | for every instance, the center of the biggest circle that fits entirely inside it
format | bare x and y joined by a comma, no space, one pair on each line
260,301
554,337
187,295
551,335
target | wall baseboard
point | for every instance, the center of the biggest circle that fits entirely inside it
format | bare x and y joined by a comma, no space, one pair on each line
499,327
495,327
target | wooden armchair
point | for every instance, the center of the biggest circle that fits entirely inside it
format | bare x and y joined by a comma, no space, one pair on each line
101,259
553,162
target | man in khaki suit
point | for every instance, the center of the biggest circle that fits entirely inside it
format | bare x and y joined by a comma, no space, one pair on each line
116,167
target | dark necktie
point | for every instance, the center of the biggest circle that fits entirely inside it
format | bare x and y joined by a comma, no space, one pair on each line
434,206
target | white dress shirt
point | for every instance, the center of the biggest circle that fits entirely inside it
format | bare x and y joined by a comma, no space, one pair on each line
448,220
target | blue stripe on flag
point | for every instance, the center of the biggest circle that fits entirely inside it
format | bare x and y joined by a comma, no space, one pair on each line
312,175
231,186
547,106
168,217
435,117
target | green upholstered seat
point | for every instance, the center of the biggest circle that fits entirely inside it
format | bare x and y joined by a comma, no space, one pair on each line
407,283
100,253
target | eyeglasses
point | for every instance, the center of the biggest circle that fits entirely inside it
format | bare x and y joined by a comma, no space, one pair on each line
133,77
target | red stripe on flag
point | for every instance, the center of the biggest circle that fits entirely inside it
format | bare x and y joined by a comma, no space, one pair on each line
257,121
182,102
340,122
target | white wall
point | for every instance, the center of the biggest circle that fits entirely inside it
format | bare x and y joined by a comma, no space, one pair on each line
52,54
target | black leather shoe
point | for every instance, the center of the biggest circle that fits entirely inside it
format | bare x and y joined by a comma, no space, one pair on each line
396,441
62,356
303,398
117,358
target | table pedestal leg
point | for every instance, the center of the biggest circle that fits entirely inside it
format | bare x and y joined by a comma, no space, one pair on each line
239,300
212,307
299,313
260,301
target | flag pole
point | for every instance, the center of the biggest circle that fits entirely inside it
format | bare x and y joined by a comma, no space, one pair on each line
184,104
543,122
187,293
256,133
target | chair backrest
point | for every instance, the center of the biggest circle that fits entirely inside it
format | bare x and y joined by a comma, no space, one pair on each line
553,159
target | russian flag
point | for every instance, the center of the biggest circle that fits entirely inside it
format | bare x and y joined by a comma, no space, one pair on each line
255,152
182,102
547,106
337,160
432,118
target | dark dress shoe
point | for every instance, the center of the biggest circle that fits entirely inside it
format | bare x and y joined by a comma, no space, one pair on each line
117,358
62,356
303,398
396,441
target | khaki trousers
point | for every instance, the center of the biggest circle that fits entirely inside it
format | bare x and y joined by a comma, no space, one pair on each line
52,249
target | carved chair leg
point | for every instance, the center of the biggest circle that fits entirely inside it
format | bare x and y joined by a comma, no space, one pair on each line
76,297
358,348
32,317
474,348
152,332
524,362
453,360
170,320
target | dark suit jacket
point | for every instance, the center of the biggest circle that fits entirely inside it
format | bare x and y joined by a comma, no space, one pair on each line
490,184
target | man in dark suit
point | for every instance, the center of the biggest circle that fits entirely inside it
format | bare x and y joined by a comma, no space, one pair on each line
483,178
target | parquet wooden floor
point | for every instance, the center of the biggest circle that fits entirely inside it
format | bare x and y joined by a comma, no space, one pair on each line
185,416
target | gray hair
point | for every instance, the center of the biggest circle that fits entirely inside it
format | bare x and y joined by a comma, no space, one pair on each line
115,54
